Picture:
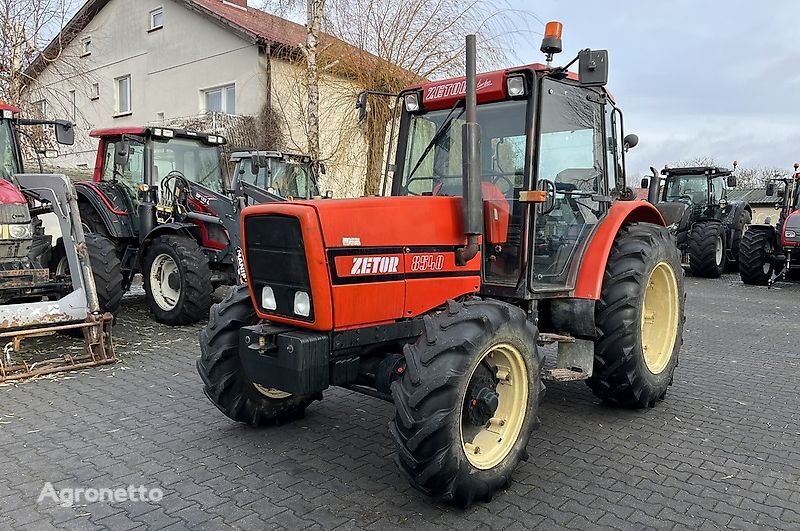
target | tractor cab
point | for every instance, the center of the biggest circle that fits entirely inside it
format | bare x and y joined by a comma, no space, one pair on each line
10,158
283,174
542,129
165,160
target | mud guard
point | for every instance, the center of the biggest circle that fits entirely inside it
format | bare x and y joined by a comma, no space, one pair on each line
188,229
117,222
592,271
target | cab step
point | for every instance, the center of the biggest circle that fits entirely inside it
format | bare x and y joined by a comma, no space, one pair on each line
575,358
564,375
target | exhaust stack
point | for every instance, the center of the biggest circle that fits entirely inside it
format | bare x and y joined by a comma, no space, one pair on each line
471,164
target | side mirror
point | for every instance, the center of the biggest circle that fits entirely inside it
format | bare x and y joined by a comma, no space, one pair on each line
770,190
361,105
122,152
593,68
65,133
645,182
322,169
731,181
257,162
630,141
781,192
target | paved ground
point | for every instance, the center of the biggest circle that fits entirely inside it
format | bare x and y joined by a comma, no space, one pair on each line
721,452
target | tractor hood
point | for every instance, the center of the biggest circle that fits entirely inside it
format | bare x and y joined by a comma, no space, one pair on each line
334,264
10,194
791,230
674,213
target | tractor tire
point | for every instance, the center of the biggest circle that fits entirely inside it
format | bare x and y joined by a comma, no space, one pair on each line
105,269
177,280
91,220
225,382
755,257
739,228
639,318
451,391
707,255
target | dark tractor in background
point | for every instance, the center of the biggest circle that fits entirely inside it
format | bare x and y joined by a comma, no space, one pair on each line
281,174
768,251
160,195
708,227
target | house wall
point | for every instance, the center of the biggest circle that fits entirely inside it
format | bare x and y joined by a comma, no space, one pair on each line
169,68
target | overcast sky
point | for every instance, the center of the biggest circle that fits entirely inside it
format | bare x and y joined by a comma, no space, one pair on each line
693,78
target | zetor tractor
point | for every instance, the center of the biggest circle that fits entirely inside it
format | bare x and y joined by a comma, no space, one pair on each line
707,226
509,226
72,286
160,195
768,251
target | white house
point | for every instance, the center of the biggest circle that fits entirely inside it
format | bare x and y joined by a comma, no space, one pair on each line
133,62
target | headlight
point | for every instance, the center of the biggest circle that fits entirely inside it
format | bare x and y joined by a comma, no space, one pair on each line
268,299
302,304
412,102
515,86
19,232
791,234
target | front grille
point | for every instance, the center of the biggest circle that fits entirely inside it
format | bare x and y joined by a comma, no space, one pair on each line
276,258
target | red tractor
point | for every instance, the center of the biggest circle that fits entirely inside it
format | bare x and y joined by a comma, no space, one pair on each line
509,226
160,195
769,252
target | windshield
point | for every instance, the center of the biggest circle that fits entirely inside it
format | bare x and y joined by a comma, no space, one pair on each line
285,178
433,163
197,162
8,157
687,189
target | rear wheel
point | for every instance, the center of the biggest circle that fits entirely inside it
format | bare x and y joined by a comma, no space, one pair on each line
105,270
707,255
177,280
467,401
640,317
226,383
739,230
755,257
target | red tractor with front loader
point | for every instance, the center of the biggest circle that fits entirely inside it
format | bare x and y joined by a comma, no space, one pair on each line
53,278
769,252
509,226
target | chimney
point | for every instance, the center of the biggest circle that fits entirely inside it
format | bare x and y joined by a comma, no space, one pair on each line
242,4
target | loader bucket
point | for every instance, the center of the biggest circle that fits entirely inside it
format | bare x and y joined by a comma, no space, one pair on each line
77,311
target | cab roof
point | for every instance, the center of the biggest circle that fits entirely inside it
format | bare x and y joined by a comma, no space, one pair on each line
8,107
151,130
490,86
243,153
696,170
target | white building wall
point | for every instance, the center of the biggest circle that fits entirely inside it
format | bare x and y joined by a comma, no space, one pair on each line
169,69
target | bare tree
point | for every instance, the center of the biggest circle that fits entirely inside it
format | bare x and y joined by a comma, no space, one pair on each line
394,43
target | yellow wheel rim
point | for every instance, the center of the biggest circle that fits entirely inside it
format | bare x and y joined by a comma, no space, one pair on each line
660,317
487,445
269,392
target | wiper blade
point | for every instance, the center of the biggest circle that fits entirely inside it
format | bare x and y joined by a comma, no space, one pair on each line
448,121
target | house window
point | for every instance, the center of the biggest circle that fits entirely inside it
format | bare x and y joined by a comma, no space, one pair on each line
73,105
40,109
221,99
86,46
157,19
94,93
124,95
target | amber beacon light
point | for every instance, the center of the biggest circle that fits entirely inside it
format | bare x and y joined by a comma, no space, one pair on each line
551,43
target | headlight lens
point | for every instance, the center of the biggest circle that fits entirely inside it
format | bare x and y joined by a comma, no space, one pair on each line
515,86
791,234
412,102
268,298
302,304
19,232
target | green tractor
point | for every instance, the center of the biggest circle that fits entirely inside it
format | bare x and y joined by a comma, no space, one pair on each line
708,227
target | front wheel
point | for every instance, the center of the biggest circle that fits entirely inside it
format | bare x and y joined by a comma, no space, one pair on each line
756,266
226,384
177,280
467,401
640,318
707,256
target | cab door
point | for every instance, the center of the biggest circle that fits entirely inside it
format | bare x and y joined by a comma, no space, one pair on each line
570,165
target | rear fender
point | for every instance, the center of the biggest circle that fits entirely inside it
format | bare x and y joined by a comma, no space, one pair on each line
183,229
117,222
621,213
